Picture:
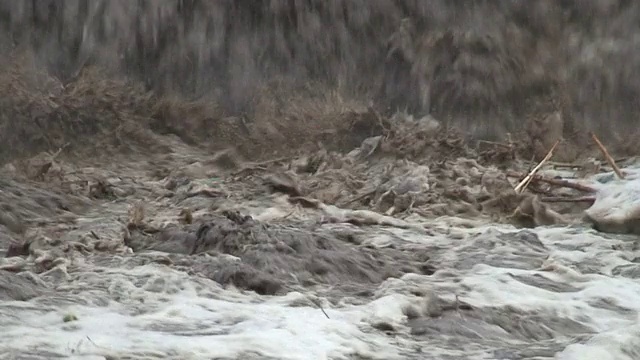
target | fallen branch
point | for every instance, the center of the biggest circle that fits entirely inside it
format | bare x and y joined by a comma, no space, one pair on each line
556,182
525,182
608,157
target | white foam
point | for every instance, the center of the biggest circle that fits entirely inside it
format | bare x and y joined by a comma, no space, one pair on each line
198,327
617,204
619,344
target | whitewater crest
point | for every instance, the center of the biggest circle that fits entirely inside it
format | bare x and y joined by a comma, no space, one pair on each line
497,294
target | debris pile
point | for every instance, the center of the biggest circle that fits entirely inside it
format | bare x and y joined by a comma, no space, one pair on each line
92,113
419,167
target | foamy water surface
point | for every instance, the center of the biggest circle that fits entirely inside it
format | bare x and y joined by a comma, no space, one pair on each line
152,311
498,293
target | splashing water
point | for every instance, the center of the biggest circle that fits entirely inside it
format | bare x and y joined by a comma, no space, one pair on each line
498,293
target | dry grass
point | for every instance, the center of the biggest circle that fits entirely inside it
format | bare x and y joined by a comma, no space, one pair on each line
98,113
486,67
40,113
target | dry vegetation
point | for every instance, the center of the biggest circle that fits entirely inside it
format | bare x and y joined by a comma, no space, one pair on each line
287,74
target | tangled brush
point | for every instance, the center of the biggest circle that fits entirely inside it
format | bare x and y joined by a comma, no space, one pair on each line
40,113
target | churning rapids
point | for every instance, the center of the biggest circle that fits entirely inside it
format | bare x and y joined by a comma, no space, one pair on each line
225,199
441,288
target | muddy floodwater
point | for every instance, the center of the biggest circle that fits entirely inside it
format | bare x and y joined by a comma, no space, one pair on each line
319,180
121,270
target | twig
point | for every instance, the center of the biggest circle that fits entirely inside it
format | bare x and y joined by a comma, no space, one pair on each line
608,157
55,155
565,165
324,312
319,305
556,182
525,182
94,344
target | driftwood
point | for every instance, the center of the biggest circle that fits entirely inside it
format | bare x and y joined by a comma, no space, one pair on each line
608,157
527,179
556,182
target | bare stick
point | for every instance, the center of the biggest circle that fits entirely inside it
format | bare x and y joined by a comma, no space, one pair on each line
608,157
525,182
55,155
556,182
532,173
565,165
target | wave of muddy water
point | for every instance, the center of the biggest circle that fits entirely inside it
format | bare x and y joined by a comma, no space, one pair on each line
440,288
112,269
